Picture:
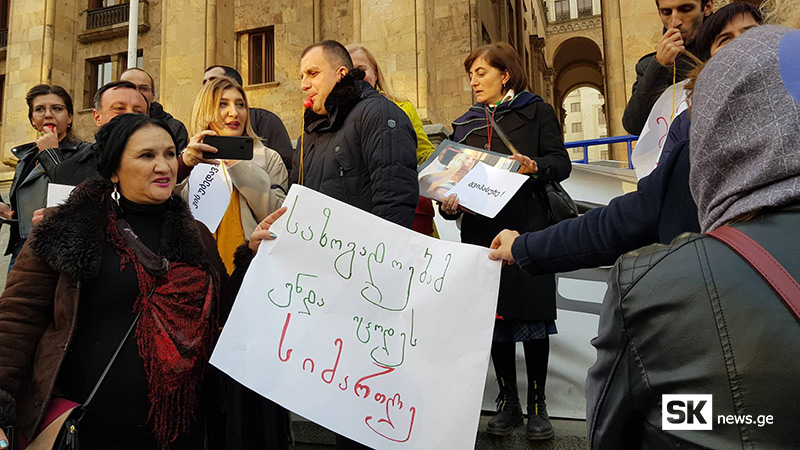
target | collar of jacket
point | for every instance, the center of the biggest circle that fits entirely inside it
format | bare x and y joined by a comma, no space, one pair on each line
26,150
71,239
157,112
344,96
475,118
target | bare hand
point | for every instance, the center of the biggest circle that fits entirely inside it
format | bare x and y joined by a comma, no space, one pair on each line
5,211
501,246
526,165
262,230
38,215
48,138
193,154
450,204
670,46
4,444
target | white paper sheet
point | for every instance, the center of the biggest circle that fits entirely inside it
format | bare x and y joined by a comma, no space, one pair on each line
209,194
372,330
486,190
57,193
651,141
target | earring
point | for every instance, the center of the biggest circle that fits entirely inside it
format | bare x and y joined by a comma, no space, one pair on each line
115,194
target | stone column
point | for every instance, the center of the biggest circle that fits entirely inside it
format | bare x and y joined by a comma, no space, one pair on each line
183,65
615,92
25,64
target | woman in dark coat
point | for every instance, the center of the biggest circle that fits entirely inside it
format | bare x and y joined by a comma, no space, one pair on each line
50,112
121,247
526,309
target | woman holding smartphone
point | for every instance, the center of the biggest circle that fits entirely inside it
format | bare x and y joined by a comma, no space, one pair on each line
259,185
259,188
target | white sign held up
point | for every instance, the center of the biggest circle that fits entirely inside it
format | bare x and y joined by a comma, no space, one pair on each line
651,141
486,190
210,190
372,330
58,193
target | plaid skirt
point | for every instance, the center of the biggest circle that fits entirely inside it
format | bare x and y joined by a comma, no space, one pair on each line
522,330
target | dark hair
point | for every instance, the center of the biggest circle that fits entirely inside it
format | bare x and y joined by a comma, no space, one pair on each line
703,3
335,51
504,58
98,96
714,25
112,137
230,72
152,81
44,89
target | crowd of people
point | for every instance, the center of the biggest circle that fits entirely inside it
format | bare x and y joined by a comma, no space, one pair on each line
116,297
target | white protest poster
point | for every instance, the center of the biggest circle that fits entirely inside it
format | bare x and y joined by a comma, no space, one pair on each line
210,190
57,193
486,190
372,330
651,141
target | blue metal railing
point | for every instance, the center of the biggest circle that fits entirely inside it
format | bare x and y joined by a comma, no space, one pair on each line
602,141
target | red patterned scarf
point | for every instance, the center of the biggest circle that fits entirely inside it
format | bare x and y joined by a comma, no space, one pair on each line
175,332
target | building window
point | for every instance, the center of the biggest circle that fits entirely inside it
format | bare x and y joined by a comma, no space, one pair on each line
122,58
261,62
2,94
562,10
601,118
577,127
5,10
99,72
585,8
97,4
575,107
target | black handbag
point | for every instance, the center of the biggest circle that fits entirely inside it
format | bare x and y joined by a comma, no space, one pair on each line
557,202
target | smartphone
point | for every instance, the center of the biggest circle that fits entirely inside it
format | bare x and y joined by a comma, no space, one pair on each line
10,435
4,220
229,147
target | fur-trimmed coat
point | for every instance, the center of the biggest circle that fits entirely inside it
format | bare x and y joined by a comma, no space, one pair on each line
39,307
364,152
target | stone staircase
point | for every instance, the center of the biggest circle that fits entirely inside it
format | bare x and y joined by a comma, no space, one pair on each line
570,435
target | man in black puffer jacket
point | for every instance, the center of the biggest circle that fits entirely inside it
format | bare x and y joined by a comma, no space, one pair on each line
357,146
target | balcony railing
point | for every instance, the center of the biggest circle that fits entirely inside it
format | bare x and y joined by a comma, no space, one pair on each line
3,38
629,139
110,15
562,16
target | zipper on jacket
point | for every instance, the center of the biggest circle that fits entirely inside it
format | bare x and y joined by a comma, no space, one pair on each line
344,184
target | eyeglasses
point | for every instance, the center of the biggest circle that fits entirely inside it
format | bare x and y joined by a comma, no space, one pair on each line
42,110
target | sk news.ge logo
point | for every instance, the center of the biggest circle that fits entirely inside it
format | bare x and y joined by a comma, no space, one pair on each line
686,412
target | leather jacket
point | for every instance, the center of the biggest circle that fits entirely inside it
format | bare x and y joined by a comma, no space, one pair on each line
694,318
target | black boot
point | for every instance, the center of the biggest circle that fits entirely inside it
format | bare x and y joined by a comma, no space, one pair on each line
509,411
539,426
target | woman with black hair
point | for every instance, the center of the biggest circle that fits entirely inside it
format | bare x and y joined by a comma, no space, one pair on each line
121,252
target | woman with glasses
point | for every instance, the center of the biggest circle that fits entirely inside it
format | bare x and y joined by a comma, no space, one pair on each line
50,113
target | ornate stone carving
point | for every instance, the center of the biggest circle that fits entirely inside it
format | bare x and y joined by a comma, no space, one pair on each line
576,25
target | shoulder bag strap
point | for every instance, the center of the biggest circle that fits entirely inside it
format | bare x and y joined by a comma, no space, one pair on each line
111,361
776,276
502,134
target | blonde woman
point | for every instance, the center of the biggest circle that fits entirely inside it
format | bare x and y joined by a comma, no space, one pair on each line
364,59
260,184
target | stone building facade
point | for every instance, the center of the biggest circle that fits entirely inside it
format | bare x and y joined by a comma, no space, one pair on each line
420,44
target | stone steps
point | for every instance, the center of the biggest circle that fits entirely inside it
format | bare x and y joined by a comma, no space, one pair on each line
570,435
